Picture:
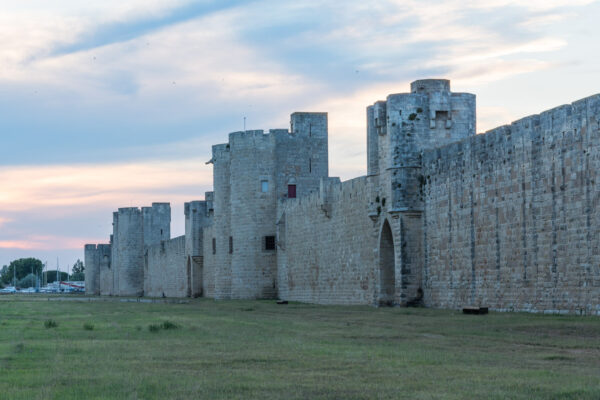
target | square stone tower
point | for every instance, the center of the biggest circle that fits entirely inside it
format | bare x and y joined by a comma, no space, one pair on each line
252,172
135,229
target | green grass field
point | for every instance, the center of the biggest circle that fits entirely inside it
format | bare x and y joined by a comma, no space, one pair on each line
258,349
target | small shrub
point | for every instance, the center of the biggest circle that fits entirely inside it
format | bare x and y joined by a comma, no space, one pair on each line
412,117
165,325
558,358
169,325
88,327
50,323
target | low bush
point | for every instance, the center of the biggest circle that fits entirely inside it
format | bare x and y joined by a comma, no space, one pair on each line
169,325
50,323
166,325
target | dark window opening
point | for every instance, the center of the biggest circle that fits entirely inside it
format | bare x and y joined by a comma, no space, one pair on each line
269,242
230,245
214,246
441,119
161,232
310,165
291,191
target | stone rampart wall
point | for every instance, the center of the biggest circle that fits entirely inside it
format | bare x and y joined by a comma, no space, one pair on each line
512,218
327,246
166,270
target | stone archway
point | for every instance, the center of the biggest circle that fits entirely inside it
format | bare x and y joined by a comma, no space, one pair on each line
387,266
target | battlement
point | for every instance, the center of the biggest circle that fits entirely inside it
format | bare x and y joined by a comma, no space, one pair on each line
161,205
253,138
128,210
547,127
196,206
104,249
428,86
405,124
311,124
332,190
219,151
302,124
156,209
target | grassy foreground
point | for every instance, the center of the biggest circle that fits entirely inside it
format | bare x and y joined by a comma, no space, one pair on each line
245,349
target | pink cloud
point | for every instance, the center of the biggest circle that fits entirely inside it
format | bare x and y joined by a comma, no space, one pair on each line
33,187
49,242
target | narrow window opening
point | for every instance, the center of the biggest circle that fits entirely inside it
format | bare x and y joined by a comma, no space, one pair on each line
291,191
161,232
310,130
214,245
264,186
269,242
230,245
310,165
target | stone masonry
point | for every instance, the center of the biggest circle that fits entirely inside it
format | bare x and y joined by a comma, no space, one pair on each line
444,218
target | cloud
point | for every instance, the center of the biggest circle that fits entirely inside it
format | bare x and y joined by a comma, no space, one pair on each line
75,186
4,221
122,31
37,242
532,5
51,208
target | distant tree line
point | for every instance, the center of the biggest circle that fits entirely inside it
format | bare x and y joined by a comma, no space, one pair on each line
25,272
77,273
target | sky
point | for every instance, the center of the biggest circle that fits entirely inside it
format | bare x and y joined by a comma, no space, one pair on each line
116,103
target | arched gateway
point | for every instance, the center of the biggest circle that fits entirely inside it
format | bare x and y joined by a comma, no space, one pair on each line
387,266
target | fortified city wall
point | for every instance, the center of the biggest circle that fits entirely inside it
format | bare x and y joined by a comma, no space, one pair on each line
326,245
165,273
508,219
512,218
